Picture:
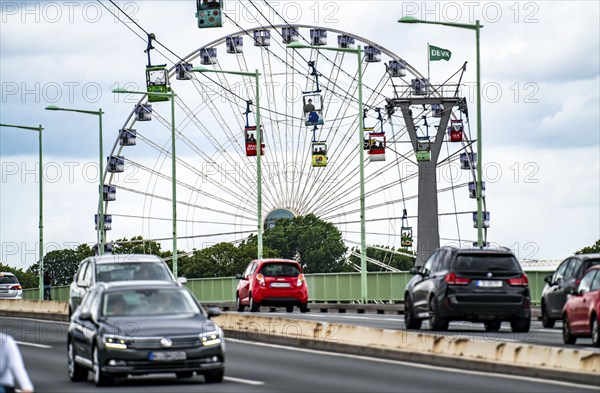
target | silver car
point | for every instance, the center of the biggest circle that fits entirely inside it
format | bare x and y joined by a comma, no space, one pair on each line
10,288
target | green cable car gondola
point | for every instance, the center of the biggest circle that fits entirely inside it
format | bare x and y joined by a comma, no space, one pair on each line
209,13
157,77
406,236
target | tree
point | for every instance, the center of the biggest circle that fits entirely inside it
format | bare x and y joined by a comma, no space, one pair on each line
595,249
62,265
137,245
400,262
26,279
317,243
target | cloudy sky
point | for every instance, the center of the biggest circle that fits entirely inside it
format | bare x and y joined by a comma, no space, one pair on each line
541,122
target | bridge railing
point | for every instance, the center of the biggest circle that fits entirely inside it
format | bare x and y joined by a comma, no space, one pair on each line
322,287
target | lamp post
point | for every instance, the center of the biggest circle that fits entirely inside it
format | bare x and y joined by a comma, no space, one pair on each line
256,75
172,95
41,203
363,247
98,113
476,27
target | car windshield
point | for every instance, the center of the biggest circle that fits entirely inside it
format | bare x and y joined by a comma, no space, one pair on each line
154,302
8,279
280,270
491,263
127,271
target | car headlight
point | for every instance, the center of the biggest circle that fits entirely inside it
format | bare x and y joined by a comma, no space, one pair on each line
114,342
212,337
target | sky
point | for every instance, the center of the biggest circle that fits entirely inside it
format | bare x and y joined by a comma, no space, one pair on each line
540,108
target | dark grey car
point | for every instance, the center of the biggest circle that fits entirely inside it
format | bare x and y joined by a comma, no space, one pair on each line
478,285
565,279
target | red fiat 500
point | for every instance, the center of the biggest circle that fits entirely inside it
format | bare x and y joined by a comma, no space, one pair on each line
581,315
272,282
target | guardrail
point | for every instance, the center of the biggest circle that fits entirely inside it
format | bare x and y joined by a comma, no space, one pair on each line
382,287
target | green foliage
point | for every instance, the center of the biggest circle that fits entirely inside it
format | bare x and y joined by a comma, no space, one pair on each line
62,265
137,245
317,243
26,279
594,249
221,260
400,262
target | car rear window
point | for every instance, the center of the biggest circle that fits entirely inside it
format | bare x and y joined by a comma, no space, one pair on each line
280,270
153,302
119,271
591,262
8,279
485,263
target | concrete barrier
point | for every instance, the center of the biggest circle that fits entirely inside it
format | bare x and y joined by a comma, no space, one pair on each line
574,365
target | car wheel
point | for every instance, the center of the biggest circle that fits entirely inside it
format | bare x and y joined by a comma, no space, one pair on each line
520,325
289,308
304,308
492,326
595,331
547,322
568,338
253,306
214,376
436,322
100,379
409,315
184,374
76,372
238,303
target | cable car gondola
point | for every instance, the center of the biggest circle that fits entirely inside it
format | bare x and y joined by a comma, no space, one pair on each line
157,77
377,146
250,136
209,13
313,101
456,131
319,154
423,152
406,236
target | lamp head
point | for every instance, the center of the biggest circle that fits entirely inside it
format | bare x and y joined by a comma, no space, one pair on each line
53,108
408,19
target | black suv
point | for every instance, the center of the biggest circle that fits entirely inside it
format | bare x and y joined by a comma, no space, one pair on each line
477,285
565,279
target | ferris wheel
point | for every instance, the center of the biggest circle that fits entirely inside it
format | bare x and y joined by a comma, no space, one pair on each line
309,144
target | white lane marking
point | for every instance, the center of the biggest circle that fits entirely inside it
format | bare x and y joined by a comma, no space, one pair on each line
34,345
423,366
245,381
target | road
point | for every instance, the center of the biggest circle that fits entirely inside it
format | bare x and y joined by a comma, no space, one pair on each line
537,335
253,367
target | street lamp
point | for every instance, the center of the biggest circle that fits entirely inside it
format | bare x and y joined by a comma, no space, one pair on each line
256,75
476,27
172,95
363,247
41,203
98,113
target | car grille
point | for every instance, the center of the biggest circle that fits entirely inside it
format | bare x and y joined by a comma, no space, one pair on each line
154,342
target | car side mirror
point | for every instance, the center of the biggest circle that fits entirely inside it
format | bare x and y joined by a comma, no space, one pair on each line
85,316
548,279
239,276
213,312
414,270
182,280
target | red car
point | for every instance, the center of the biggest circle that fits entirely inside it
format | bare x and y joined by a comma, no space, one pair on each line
581,315
272,282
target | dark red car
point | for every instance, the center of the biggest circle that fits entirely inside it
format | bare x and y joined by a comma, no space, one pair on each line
581,315
272,282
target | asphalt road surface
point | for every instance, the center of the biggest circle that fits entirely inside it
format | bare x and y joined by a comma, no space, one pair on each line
254,367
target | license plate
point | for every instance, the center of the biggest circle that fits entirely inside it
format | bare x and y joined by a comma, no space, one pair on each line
489,283
167,356
3,290
280,285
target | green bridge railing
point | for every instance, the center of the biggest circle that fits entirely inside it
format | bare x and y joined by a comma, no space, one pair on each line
324,287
